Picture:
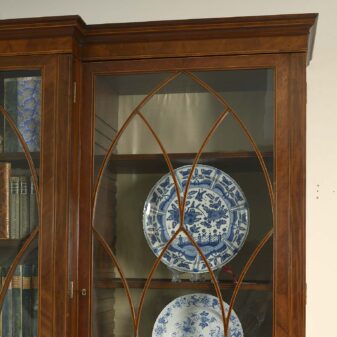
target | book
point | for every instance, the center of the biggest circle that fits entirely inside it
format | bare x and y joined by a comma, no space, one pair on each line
17,302
26,301
14,208
22,101
35,300
10,141
33,216
7,309
29,110
5,171
24,207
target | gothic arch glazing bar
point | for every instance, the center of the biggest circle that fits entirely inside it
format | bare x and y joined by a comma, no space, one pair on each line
246,132
15,263
26,151
183,230
108,250
120,132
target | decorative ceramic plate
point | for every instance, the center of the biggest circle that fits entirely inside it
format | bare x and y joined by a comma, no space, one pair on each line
195,315
216,215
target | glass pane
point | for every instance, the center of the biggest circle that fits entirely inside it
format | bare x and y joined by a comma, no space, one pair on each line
228,200
116,97
20,99
19,310
124,189
20,96
250,95
180,106
255,310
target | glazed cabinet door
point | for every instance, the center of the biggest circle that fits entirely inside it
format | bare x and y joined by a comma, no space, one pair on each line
33,263
186,224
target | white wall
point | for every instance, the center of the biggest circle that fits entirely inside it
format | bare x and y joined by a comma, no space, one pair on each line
321,112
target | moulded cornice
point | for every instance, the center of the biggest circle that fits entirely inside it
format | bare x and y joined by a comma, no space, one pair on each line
220,36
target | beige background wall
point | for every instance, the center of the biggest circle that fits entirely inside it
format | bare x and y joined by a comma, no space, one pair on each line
321,121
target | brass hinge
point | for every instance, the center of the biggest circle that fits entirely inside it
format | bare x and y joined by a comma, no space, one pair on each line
75,92
71,290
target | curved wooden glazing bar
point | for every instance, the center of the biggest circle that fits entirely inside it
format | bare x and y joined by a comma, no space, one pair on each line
213,277
181,229
157,261
121,131
197,157
244,129
99,179
166,157
108,250
243,273
149,278
34,233
181,226
154,268
26,152
15,263
267,179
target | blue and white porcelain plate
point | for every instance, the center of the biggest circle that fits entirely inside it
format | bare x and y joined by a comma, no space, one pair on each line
195,315
216,215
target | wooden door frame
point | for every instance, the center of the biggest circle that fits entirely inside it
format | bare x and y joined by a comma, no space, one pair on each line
53,185
289,162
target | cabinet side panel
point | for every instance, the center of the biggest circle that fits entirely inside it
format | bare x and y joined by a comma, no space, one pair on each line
297,113
289,287
281,223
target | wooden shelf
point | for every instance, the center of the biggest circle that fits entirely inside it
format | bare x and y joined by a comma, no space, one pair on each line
18,159
183,284
10,247
10,243
155,163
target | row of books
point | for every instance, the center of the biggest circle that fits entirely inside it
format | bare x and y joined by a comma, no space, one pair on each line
18,205
21,99
18,317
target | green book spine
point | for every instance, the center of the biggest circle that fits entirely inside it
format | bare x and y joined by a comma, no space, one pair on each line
26,301
5,172
7,308
35,300
14,208
24,207
33,217
17,302
10,141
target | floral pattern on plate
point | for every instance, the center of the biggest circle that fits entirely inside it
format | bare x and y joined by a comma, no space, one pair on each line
216,215
195,315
